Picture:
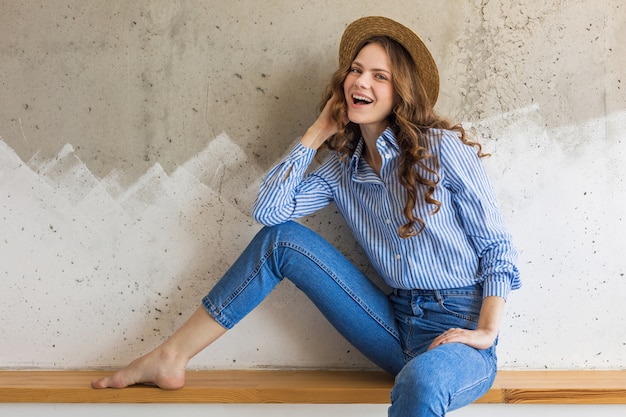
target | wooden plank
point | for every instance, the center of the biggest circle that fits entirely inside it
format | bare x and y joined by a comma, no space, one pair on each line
562,387
310,387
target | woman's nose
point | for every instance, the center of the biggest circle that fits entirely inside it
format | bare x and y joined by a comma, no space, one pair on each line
361,81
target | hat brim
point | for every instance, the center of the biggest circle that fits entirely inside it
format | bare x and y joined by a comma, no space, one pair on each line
368,27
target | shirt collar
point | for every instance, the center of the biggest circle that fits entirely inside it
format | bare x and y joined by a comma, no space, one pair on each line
390,139
387,137
356,155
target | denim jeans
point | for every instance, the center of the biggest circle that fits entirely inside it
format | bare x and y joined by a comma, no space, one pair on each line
393,331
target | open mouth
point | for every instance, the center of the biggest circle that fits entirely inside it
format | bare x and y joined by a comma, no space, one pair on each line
359,99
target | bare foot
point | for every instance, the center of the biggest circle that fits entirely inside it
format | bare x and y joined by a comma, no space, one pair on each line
165,366
157,367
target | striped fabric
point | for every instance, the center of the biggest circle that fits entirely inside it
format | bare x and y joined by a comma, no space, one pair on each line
464,243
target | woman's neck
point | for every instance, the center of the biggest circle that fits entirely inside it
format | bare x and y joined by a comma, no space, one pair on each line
370,135
372,156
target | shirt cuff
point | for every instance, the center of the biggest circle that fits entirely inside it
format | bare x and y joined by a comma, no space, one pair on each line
299,150
496,288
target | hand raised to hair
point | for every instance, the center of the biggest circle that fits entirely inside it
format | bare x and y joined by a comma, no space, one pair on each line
323,128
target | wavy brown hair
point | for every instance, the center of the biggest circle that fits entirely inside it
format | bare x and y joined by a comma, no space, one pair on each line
411,117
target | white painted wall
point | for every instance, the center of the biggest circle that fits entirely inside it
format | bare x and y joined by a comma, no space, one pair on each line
134,134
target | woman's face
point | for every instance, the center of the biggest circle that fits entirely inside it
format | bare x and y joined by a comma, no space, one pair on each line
369,90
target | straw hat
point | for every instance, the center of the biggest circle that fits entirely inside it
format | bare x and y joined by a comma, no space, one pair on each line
367,27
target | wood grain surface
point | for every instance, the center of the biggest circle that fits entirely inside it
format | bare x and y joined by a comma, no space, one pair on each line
310,387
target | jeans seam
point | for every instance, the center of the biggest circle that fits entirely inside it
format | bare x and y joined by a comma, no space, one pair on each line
259,265
338,281
468,388
250,277
216,312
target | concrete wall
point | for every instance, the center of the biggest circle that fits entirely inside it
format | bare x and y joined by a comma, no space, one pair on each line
134,135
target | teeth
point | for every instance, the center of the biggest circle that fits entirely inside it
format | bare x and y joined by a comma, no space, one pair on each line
361,98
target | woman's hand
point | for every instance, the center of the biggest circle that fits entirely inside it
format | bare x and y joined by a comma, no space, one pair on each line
478,339
323,128
486,331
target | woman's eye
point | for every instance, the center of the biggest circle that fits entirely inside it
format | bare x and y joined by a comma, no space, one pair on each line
355,70
382,77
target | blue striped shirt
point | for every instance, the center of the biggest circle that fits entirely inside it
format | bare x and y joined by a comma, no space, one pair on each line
464,243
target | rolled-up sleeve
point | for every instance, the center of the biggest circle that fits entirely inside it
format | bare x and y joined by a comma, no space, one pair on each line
480,216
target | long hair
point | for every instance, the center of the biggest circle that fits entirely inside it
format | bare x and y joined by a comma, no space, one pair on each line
410,118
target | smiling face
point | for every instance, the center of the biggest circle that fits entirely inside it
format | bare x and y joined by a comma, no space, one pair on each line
369,90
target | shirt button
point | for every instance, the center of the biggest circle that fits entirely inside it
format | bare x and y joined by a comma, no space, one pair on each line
398,257
388,221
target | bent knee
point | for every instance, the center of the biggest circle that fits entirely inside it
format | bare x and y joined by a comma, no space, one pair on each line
286,232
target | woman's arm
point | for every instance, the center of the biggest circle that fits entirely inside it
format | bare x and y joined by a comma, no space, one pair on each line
475,203
486,332
323,127
285,193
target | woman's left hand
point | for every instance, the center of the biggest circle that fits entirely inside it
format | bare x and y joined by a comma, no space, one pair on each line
478,339
486,331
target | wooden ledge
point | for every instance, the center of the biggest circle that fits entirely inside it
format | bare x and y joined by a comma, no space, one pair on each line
310,387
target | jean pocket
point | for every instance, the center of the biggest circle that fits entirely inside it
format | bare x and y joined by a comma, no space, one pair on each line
465,307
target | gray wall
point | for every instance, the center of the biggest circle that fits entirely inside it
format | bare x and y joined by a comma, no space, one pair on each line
133,136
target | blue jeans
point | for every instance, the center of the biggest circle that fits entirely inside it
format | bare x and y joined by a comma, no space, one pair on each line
393,331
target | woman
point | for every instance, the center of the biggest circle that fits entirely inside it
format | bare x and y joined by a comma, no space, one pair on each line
416,197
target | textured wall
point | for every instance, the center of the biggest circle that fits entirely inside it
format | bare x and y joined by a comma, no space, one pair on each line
133,136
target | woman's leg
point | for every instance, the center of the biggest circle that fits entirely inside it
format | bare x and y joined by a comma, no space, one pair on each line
351,302
165,365
441,380
450,376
